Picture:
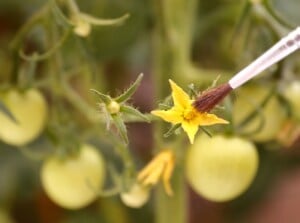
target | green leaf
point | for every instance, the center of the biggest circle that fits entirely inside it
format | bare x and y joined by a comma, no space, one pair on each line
132,111
172,130
130,91
104,98
7,112
102,22
120,125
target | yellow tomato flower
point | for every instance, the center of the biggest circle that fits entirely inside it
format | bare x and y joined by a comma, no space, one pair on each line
160,167
183,112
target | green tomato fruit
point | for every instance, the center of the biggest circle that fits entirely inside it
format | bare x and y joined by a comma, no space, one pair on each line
273,114
136,197
73,182
221,168
292,95
30,110
5,217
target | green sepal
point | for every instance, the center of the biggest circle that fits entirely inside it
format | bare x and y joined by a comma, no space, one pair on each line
7,112
133,111
130,91
107,115
162,106
102,22
104,98
172,130
166,103
206,131
120,125
192,91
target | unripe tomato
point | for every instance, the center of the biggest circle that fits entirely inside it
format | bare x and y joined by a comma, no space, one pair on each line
73,182
292,94
248,99
221,168
136,197
4,216
30,110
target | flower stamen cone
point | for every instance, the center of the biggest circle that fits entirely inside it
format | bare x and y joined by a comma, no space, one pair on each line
184,113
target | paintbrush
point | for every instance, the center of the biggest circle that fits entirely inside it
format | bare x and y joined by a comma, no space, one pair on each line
287,45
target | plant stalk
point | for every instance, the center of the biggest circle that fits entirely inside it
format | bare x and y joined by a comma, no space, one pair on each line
172,44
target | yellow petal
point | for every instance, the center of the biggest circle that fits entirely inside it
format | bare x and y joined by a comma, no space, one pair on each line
147,169
180,98
172,115
206,119
211,119
154,176
191,129
167,176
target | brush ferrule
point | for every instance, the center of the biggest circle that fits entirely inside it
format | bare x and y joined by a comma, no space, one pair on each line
280,50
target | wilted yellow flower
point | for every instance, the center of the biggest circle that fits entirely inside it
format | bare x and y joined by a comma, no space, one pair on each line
160,167
184,113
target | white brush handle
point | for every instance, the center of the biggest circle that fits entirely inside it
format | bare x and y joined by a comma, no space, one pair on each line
280,50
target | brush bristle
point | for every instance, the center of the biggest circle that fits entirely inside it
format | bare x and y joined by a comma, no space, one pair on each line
210,98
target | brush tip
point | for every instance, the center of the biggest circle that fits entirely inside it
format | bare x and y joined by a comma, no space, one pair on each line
210,98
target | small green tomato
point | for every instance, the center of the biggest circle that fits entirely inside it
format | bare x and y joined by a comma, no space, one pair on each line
136,197
30,110
273,113
72,183
221,168
292,95
113,107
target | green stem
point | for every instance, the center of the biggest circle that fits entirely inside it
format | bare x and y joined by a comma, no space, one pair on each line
261,11
17,41
172,209
172,44
73,6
